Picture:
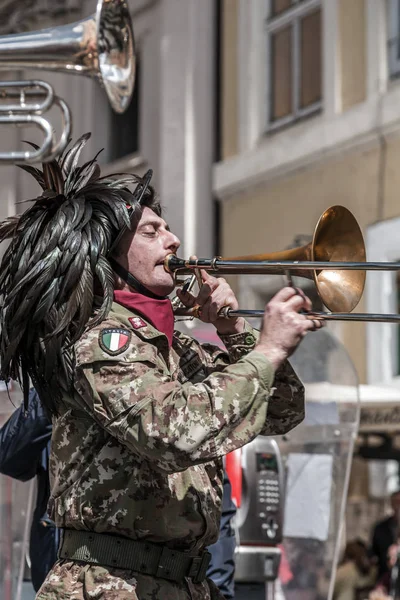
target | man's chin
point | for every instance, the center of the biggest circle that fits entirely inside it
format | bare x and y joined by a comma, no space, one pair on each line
163,288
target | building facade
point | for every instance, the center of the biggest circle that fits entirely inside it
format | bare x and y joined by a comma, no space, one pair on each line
310,118
170,123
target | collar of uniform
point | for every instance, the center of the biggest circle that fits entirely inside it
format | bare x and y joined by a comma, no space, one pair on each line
123,315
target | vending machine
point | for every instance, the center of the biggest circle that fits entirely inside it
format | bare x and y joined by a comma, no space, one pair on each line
257,478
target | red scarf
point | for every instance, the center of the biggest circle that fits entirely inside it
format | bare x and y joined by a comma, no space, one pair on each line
158,312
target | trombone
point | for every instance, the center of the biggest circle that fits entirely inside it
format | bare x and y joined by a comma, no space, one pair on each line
335,260
101,47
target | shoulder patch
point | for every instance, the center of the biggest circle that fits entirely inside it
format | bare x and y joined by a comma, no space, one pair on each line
114,340
137,322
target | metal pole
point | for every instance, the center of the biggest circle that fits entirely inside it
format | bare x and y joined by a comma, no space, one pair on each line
324,316
25,539
227,266
382,318
220,266
270,590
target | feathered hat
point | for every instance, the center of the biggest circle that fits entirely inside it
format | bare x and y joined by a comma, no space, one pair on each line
55,276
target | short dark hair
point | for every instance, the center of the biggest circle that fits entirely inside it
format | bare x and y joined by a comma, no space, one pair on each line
152,201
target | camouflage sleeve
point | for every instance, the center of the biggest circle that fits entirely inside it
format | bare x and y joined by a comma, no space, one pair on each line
286,404
237,345
175,425
240,344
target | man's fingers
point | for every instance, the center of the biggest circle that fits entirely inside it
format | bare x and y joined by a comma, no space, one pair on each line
205,311
314,324
284,294
214,294
307,301
210,284
204,293
293,299
186,298
206,277
295,303
318,324
288,292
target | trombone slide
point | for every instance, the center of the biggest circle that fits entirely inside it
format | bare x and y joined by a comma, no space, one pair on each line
324,316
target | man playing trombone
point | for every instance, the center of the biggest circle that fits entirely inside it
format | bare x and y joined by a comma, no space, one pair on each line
142,414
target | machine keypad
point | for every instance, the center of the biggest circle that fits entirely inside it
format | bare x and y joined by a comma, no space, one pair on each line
266,487
268,498
271,491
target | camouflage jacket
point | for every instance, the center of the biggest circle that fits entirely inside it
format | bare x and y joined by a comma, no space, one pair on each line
138,451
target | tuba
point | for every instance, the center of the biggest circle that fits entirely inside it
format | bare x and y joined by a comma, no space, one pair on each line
100,46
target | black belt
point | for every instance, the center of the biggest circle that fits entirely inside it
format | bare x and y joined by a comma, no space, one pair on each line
142,557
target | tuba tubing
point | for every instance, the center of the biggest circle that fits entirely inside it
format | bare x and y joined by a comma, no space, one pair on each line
26,92
100,46
28,156
30,114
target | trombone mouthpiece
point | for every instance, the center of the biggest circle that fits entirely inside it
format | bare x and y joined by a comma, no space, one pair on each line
172,263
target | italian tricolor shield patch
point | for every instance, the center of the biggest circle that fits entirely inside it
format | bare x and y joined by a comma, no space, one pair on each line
114,341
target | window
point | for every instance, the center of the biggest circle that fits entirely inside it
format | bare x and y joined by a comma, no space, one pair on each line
295,60
394,37
381,292
124,128
397,276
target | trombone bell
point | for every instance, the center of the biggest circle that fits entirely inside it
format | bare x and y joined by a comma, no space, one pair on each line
338,238
335,259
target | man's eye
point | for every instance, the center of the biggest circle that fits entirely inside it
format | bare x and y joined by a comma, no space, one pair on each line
150,232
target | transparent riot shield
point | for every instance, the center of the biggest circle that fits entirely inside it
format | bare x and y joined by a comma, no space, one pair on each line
293,499
16,503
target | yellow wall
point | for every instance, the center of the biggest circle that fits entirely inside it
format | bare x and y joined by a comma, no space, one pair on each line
267,218
229,85
367,182
352,28
352,51
391,192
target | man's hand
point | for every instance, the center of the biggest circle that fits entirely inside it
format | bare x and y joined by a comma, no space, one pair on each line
392,555
283,326
214,294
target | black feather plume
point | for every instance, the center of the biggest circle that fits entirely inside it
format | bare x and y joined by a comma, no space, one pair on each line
55,279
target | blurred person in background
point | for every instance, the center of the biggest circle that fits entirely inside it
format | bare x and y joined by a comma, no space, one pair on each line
388,586
385,534
24,454
355,572
222,566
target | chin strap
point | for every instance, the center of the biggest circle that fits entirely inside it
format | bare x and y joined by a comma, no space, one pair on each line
132,281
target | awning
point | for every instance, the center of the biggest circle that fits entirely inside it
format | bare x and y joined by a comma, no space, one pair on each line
380,404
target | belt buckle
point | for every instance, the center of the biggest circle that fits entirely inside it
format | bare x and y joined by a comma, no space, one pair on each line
170,565
199,566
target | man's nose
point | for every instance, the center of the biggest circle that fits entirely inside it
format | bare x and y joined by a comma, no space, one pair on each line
173,242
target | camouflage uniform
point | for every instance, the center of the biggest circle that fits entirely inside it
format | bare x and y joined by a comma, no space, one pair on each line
138,451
